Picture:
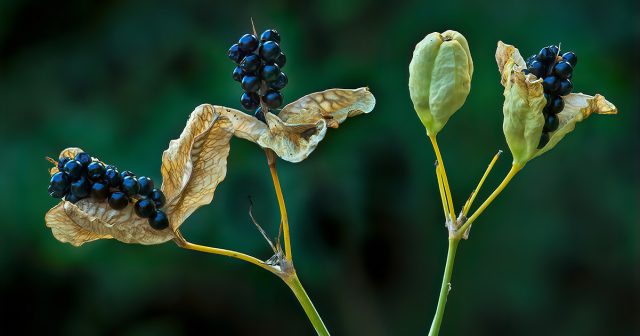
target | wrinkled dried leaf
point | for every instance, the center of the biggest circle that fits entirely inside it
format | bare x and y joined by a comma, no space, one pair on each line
524,102
195,163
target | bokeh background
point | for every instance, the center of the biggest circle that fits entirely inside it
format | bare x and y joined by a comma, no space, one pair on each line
556,254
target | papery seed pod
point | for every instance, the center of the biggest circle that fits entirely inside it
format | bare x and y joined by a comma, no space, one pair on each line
440,78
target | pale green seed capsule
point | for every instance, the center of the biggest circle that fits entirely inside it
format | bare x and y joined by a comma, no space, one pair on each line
440,78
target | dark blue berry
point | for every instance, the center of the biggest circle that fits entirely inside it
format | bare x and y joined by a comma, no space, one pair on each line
157,196
272,99
554,49
551,123
570,58
118,200
130,186
548,98
269,51
127,173
270,35
250,100
562,70
281,60
59,185
96,171
81,188
72,198
251,83
73,168
280,82
269,72
99,191
83,158
248,43
565,87
537,68
159,221
238,73
62,161
544,140
146,185
260,115
546,55
113,177
145,208
235,54
251,63
551,84
556,106
111,167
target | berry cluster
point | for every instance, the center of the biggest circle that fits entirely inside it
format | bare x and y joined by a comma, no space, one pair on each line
259,71
84,176
556,73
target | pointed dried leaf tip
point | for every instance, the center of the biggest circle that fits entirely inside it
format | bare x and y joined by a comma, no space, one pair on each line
524,102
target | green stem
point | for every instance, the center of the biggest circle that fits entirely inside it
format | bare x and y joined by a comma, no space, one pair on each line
446,286
294,283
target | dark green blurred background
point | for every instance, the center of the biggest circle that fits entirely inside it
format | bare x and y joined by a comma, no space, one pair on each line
556,254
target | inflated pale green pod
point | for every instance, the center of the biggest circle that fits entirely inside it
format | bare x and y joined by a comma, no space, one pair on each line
440,78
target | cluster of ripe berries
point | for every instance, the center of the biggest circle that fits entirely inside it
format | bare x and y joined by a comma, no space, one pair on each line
556,72
83,177
259,70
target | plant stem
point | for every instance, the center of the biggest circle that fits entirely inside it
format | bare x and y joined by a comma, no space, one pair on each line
445,288
294,283
512,172
443,174
284,220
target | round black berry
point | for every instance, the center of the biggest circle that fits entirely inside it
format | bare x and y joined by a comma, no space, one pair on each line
260,115
270,35
62,161
565,87
555,50
127,173
556,106
250,100
280,82
81,187
145,208
562,70
159,221
157,196
546,55
272,99
551,123
537,68
71,198
548,98
269,51
73,168
146,185
99,191
544,140
551,84
281,60
251,63
96,171
238,73
235,54
113,177
251,83
118,200
130,186
59,185
570,58
83,158
269,72
248,43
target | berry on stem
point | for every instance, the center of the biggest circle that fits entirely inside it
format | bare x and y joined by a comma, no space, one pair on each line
235,54
113,177
272,99
562,70
565,87
251,83
251,63
81,187
145,208
250,100
248,43
280,82
269,72
100,191
62,161
157,196
73,168
59,185
544,140
281,60
118,200
551,123
95,171
159,221
260,115
269,51
551,84
146,185
270,35
238,73
130,186
570,58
